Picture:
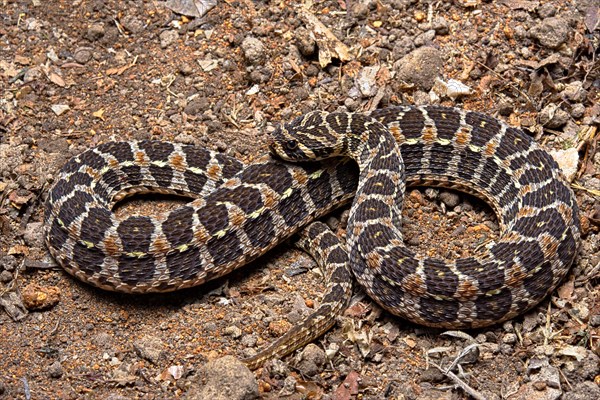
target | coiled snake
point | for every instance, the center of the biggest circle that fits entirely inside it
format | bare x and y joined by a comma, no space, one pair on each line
241,211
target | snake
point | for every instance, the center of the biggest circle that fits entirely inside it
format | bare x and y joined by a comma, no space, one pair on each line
322,161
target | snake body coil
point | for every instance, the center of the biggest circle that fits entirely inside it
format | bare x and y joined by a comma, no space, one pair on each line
241,211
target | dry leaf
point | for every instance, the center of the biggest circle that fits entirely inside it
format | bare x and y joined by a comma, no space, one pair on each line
329,45
56,79
99,114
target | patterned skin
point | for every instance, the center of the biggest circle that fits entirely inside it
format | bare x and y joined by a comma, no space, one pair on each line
242,211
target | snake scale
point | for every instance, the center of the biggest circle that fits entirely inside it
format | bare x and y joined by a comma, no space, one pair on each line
241,211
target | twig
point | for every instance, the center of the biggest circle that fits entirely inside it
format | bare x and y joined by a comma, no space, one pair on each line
460,383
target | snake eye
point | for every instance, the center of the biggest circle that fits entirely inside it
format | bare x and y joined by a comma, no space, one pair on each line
291,144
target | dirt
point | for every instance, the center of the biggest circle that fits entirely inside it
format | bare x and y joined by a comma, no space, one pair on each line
75,74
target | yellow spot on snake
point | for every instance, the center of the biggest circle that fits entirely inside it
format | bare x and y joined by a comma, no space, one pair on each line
137,254
287,193
220,234
256,213
183,247
87,244
316,174
159,163
493,292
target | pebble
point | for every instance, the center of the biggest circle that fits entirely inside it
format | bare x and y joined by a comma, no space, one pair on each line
197,106
82,55
55,370
149,348
553,117
59,109
583,391
225,378
567,161
103,340
424,38
509,338
6,276
312,360
574,92
34,235
450,199
37,297
420,67
95,32
8,262
551,32
32,74
366,82
577,111
547,10
167,38
233,331
254,50
132,23
305,43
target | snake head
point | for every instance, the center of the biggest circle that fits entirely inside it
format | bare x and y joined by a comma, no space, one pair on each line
309,137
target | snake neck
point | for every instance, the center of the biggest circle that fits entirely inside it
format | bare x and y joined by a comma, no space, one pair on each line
381,187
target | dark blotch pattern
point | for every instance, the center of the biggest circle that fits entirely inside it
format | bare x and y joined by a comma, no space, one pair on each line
260,230
185,264
132,270
121,151
95,225
136,234
178,226
88,260
74,207
446,120
156,150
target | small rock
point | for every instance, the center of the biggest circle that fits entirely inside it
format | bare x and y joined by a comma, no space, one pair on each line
305,43
233,331
289,386
197,106
32,74
149,348
186,69
83,55
583,391
95,31
34,235
547,10
224,379
167,38
440,25
574,92
577,111
551,32
103,340
425,38
509,338
55,370
402,47
365,81
36,297
59,109
254,50
450,199
6,276
132,24
420,67
312,360
553,117
567,161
